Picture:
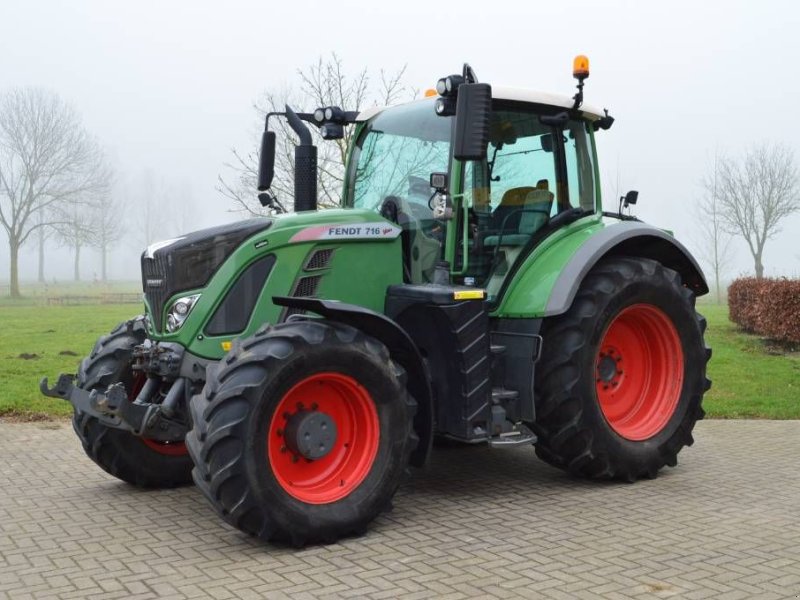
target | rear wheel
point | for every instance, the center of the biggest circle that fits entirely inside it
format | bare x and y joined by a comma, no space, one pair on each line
139,461
302,433
622,373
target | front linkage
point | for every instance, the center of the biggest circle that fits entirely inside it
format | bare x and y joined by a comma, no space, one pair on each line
160,363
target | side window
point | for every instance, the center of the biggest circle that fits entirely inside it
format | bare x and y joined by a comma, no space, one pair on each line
520,167
580,168
510,196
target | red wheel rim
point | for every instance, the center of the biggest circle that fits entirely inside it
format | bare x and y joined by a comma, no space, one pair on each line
166,448
639,372
344,467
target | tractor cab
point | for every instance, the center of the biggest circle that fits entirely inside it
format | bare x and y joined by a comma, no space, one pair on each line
536,174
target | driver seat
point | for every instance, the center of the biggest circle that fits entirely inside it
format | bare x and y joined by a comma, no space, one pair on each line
530,216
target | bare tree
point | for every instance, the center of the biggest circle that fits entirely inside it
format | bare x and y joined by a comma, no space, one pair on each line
43,233
715,239
183,208
108,217
323,84
151,219
756,194
46,158
74,230
612,182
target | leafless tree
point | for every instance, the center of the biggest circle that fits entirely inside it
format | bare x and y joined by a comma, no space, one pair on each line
46,158
715,240
109,227
74,228
43,233
151,216
325,83
756,193
183,210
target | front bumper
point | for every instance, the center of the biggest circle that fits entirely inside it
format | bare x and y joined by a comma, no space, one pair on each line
158,412
114,409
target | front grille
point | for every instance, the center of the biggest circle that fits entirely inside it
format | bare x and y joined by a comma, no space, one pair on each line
320,259
154,285
188,262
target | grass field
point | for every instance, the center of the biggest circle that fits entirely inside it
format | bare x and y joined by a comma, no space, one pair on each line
750,380
48,340
751,377
34,294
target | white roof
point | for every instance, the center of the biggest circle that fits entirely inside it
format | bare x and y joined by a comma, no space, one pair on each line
510,93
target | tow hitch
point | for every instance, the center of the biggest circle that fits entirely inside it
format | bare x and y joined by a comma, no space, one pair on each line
114,409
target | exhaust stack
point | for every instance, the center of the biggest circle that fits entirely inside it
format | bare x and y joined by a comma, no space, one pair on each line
305,165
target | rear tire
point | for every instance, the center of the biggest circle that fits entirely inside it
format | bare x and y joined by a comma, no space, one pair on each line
140,462
247,463
622,374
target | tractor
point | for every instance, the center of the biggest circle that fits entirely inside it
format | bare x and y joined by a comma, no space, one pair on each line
470,289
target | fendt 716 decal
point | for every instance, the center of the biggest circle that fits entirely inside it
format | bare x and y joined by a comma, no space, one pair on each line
347,231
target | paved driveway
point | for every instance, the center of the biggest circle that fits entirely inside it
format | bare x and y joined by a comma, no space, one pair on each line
724,524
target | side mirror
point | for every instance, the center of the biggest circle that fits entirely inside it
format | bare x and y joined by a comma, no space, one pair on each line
266,162
473,112
630,198
547,142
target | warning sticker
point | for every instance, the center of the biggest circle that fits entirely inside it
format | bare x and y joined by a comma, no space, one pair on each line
347,231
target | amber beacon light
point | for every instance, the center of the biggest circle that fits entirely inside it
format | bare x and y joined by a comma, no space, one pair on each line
580,67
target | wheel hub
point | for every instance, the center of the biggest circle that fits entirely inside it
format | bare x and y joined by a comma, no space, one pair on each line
311,434
607,371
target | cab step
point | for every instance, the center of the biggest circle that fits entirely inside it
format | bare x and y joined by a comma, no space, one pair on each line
501,395
519,436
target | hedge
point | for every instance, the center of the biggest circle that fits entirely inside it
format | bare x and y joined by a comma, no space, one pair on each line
768,307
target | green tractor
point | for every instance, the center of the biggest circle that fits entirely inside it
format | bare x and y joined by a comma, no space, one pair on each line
471,288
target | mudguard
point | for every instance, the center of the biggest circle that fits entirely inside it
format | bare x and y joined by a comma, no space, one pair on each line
557,272
400,346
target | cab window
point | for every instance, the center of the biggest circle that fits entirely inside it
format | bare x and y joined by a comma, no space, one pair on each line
390,169
531,173
580,167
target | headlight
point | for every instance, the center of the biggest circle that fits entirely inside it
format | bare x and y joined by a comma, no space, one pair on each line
178,312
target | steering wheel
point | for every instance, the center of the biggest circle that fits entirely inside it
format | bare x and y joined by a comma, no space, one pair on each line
411,215
419,211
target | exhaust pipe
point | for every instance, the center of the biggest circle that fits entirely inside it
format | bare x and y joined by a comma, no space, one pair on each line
305,165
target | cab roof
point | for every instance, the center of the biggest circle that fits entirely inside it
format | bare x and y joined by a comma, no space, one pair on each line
514,94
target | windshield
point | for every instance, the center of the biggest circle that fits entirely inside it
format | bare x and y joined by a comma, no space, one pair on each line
396,153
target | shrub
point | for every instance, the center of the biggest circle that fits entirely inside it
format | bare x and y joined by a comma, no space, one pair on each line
768,307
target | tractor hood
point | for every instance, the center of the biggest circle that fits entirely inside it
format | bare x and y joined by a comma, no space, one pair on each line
188,262
229,275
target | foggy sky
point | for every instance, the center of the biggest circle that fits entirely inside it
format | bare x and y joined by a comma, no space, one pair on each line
169,86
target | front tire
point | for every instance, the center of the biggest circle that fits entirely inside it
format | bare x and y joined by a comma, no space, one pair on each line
135,460
622,374
274,394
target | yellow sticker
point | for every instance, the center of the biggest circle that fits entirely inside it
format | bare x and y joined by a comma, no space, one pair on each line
226,346
469,294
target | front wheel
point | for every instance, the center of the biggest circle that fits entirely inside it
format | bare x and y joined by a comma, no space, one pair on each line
302,433
622,374
139,461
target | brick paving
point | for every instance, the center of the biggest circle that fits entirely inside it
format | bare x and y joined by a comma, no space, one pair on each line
476,523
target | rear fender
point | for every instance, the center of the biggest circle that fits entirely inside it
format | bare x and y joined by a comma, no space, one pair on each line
557,273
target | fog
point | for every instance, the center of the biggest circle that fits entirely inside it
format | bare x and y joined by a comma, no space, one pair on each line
169,87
